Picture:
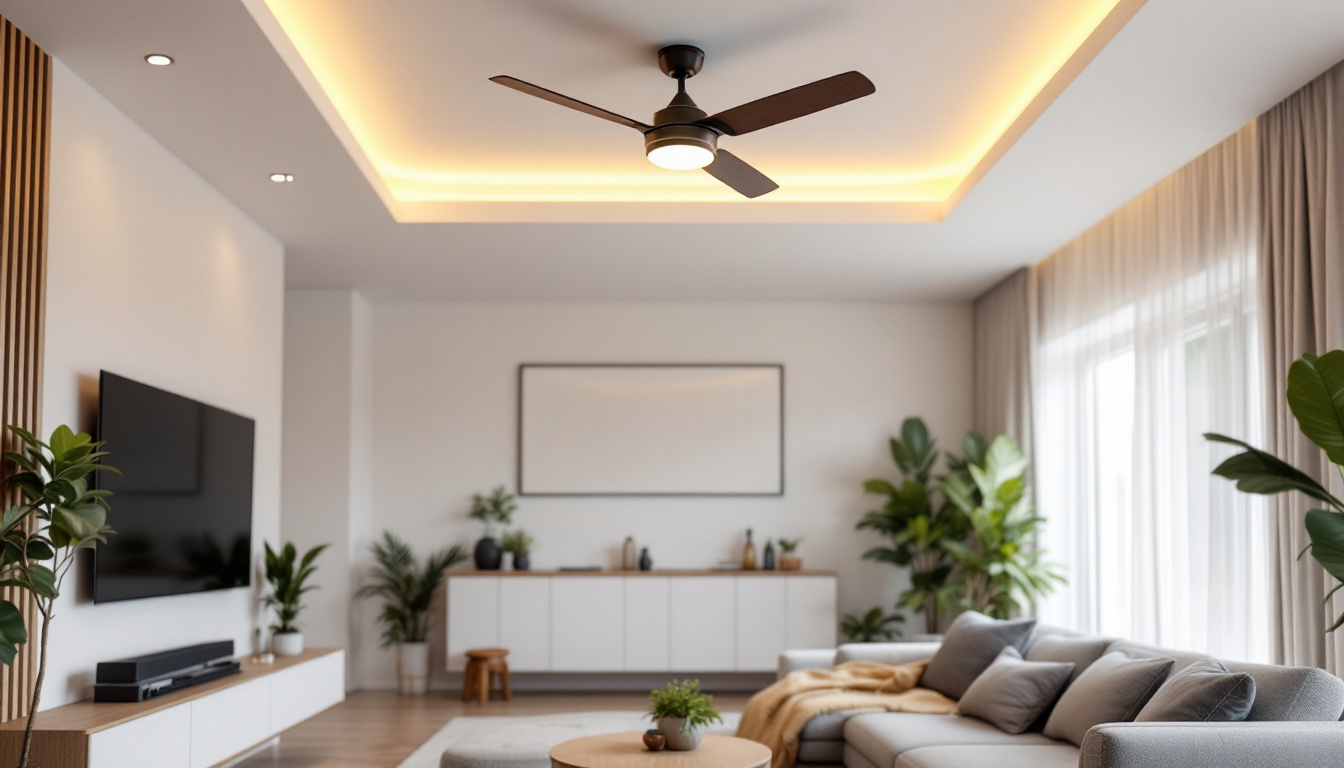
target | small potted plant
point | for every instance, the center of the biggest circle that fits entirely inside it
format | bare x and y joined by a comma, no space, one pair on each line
287,574
492,510
871,627
682,713
519,544
407,591
788,561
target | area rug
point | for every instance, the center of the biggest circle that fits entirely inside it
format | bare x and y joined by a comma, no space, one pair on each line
525,742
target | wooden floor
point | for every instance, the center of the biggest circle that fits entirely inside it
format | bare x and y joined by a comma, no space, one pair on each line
379,729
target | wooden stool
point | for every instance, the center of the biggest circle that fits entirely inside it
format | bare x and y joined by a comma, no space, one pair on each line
484,667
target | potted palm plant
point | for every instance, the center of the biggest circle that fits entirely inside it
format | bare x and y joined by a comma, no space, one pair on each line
288,575
492,510
682,713
57,516
407,590
871,627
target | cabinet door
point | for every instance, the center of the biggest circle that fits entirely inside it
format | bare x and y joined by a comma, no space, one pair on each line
160,740
811,610
473,617
703,623
760,622
230,721
587,624
646,624
525,622
303,690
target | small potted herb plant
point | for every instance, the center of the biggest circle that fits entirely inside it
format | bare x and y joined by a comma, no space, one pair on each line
682,713
788,560
492,510
519,544
287,574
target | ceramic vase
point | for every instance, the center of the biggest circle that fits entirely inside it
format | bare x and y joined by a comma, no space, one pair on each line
679,737
522,561
287,643
488,555
413,668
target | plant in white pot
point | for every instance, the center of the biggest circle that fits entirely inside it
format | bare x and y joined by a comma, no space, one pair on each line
288,575
682,713
407,590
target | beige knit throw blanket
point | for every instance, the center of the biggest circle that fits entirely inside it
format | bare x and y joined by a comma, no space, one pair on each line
776,716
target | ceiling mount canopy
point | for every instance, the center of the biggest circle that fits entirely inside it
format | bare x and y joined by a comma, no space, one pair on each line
684,137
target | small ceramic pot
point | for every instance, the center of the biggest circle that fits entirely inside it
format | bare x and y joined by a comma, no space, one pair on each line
287,643
678,736
488,555
790,562
413,668
654,740
522,561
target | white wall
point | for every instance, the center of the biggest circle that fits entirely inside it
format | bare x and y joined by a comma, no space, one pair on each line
154,275
444,405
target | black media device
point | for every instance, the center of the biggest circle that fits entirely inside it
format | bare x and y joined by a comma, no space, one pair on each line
182,507
154,674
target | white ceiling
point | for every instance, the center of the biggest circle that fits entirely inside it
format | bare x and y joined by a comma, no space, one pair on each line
1179,77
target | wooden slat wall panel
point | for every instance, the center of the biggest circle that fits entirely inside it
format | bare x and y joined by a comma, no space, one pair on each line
25,154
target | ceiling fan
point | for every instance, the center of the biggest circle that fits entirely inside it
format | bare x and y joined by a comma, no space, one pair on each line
683,137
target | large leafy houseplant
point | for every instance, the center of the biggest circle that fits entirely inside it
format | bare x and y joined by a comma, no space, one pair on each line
288,575
1316,398
872,626
58,516
917,521
406,587
998,570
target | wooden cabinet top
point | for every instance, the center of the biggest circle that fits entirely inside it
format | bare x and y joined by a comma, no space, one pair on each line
663,573
90,717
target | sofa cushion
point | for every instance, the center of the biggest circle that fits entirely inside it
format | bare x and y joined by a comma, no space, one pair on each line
891,654
1112,690
1080,650
830,726
970,645
882,736
1014,756
1203,691
822,752
1135,650
1012,693
1293,693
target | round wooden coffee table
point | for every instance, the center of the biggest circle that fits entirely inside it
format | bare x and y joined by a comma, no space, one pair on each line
626,750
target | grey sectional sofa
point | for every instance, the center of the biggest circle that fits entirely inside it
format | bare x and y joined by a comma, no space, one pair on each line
1294,724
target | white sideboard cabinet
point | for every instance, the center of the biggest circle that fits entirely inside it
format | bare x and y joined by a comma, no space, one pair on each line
654,621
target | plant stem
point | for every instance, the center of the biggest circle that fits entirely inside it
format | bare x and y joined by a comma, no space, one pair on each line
37,687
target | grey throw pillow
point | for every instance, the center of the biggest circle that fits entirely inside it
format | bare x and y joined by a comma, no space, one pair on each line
1203,691
1081,650
969,646
1012,693
1113,690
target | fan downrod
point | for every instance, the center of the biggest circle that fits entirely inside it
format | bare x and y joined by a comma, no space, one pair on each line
680,61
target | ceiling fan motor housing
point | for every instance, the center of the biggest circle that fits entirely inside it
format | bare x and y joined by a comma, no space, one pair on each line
676,124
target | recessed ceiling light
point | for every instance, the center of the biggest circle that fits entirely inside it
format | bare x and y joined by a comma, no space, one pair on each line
159,59
282,178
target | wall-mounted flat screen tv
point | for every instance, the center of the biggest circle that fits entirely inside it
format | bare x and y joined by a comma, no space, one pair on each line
182,507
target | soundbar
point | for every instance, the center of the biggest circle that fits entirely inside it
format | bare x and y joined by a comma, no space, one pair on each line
148,689
164,663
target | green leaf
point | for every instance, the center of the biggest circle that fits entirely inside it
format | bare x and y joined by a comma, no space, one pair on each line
13,632
1326,530
915,435
879,487
43,581
39,550
62,440
14,517
1256,471
1316,397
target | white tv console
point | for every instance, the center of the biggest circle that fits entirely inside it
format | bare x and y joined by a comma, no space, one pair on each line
196,727
640,621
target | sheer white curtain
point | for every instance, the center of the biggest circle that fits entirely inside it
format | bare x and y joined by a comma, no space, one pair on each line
1148,338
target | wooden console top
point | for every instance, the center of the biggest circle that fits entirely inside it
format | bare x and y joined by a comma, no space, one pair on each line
627,574
90,717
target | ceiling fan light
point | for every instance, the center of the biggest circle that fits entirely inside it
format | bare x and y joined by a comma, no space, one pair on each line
681,157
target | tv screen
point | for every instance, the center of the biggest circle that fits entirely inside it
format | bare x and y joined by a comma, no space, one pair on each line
182,507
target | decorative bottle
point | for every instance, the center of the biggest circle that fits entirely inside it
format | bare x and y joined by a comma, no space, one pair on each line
768,556
645,562
749,554
629,555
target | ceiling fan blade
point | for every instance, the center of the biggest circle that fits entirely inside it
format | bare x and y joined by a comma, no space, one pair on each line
731,170
565,101
791,104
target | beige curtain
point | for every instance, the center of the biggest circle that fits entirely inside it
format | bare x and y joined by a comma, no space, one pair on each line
1002,372
1302,280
